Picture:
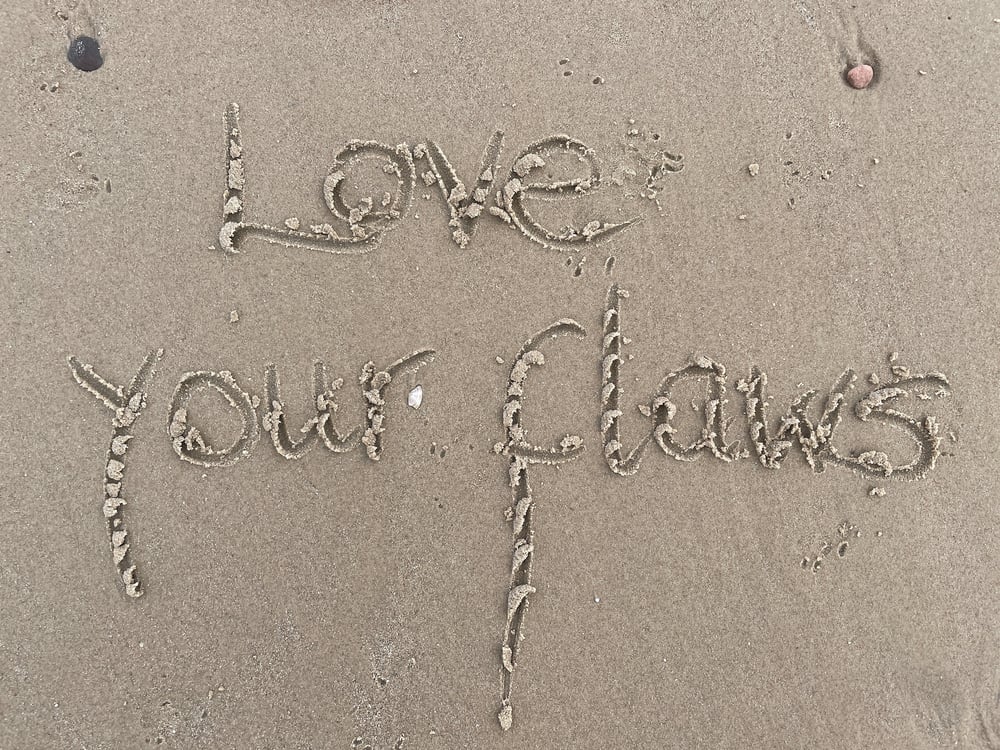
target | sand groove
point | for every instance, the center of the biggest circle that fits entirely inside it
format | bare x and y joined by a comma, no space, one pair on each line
127,405
520,512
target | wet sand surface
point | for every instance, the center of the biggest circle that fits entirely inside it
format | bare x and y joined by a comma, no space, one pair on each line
704,452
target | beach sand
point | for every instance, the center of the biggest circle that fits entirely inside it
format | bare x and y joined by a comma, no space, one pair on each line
788,223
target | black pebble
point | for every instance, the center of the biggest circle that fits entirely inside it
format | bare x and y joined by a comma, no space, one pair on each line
85,53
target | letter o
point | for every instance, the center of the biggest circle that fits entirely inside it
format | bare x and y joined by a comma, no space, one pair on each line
396,160
187,440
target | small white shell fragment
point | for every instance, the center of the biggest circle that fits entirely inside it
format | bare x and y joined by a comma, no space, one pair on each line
415,397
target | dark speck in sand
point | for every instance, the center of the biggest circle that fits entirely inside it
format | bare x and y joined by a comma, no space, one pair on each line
85,53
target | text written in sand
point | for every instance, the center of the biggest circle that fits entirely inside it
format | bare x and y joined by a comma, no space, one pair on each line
368,190
362,216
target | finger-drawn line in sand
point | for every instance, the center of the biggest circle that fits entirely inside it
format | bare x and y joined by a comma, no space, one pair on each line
188,441
319,427
464,208
127,405
521,510
660,408
369,217
365,221
815,439
190,444
518,187
373,385
925,432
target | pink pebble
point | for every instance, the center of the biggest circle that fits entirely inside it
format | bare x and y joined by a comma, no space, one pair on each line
860,76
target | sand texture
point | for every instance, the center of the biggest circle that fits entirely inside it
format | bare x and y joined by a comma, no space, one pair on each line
500,375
